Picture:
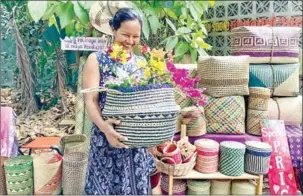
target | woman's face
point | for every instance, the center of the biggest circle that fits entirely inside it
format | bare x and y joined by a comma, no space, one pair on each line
128,35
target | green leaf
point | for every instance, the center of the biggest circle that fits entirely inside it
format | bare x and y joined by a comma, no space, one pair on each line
79,27
163,41
194,54
184,30
81,13
171,43
66,13
184,12
50,11
181,48
145,28
37,9
154,24
171,13
171,24
193,12
86,4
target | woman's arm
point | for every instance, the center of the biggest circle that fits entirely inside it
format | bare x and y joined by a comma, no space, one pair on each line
91,78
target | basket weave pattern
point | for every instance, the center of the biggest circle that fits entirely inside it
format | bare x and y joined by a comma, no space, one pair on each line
253,121
148,114
223,75
258,98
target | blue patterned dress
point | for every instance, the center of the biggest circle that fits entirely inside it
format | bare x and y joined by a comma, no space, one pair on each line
115,171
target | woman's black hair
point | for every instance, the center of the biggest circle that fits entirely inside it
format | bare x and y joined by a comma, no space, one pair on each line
122,15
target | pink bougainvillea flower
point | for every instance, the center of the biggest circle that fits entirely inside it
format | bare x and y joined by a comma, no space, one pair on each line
194,93
170,67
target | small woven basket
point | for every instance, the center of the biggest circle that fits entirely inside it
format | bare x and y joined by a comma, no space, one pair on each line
176,169
19,169
198,187
220,187
74,171
253,121
179,186
243,187
258,98
2,176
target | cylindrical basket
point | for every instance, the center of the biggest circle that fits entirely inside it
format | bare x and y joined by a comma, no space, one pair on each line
2,176
258,98
257,157
196,123
176,169
198,187
73,143
220,187
148,114
179,186
243,187
74,171
232,158
19,175
253,121
47,173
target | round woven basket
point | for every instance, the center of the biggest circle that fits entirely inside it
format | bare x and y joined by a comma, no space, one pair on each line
198,187
220,187
176,169
253,121
232,158
257,157
2,176
148,114
243,187
196,123
74,171
179,186
19,175
258,98
47,173
73,143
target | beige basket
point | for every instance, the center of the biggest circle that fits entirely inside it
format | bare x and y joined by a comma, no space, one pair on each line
73,143
176,169
253,121
258,98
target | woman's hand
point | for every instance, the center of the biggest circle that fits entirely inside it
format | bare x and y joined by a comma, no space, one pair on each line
114,138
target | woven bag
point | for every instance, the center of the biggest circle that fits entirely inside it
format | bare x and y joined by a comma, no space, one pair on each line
243,187
223,75
179,186
198,187
266,44
220,187
232,158
288,109
175,169
281,79
258,98
148,114
73,143
74,171
47,173
225,115
2,177
253,121
19,175
257,157
196,122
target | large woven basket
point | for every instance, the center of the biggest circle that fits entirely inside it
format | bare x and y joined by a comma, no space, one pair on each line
176,169
266,44
147,113
224,75
47,173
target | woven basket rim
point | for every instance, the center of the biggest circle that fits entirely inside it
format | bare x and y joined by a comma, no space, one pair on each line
142,88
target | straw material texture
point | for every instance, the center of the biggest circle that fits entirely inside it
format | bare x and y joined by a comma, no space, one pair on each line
198,187
181,99
258,98
243,187
220,187
253,121
281,79
179,186
288,109
266,44
47,173
224,75
225,115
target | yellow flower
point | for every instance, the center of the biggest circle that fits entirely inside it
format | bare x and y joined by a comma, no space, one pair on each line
158,53
113,54
124,56
141,63
147,72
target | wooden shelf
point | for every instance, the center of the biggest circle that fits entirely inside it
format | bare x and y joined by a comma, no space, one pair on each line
217,175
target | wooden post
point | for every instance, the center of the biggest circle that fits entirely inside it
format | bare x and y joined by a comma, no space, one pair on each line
183,131
170,184
260,185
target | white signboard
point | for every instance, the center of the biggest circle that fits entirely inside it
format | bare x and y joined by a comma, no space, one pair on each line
84,43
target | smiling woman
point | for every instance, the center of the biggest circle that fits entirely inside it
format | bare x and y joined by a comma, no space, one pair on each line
113,168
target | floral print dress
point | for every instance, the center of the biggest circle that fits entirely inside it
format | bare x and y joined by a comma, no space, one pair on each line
115,171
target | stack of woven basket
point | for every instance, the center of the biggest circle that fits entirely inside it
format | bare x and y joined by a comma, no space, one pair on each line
274,64
198,187
208,156
179,186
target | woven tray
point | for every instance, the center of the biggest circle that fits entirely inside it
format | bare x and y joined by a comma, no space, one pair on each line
223,75
258,43
176,169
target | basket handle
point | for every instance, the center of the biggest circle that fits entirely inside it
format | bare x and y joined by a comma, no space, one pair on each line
164,158
99,89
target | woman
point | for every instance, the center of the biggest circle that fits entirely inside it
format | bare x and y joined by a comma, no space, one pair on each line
113,168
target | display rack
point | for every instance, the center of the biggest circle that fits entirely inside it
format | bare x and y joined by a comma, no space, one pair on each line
213,176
